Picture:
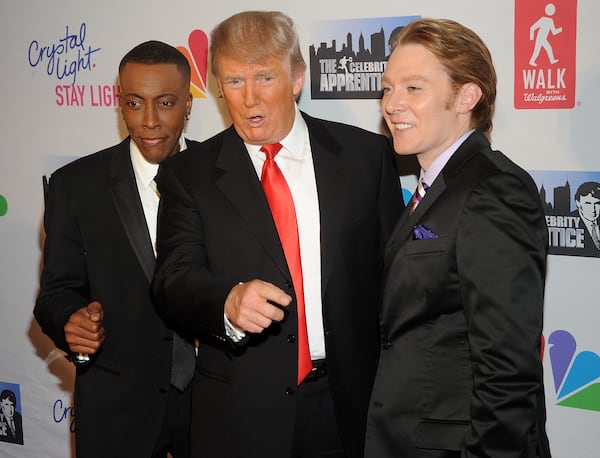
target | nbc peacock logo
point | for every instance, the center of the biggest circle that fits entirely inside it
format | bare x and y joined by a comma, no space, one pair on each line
197,56
576,373
3,205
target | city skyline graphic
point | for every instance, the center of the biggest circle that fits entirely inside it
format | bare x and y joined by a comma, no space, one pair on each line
348,62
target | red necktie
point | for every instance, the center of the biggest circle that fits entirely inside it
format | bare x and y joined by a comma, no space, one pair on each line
282,208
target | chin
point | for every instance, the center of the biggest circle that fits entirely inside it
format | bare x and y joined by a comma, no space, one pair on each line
402,150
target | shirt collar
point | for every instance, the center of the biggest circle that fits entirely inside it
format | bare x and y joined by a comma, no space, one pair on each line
293,143
429,175
144,170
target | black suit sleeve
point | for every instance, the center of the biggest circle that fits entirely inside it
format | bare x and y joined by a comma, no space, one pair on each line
501,253
63,286
186,290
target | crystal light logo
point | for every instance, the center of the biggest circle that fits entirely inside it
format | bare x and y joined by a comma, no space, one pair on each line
65,58
69,59
545,43
62,411
576,374
197,56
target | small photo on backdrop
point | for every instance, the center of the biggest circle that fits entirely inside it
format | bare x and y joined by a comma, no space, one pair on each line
571,203
11,422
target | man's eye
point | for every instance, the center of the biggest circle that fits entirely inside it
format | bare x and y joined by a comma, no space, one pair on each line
134,104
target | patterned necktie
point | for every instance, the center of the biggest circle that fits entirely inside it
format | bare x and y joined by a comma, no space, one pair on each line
284,214
418,195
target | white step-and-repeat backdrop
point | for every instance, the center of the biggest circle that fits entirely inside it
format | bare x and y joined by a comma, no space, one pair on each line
59,78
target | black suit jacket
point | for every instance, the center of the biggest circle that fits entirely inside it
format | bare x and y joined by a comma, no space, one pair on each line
460,372
98,248
215,230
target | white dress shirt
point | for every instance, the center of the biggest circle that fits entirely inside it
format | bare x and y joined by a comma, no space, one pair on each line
144,173
296,164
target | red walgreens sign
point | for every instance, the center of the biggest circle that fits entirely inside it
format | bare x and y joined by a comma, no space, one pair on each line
545,60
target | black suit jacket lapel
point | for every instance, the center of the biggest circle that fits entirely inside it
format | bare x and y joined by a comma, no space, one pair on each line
408,221
330,178
240,184
123,190
475,143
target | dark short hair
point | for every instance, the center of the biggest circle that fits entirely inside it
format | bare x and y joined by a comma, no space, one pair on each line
8,394
589,187
156,52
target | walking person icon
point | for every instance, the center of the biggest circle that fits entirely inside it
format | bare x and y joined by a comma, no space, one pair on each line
544,26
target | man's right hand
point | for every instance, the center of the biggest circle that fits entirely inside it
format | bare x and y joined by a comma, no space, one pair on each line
84,331
253,306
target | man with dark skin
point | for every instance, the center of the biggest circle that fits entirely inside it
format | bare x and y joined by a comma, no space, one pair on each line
133,371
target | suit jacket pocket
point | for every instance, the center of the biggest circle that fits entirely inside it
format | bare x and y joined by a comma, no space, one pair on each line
212,375
416,247
441,434
213,363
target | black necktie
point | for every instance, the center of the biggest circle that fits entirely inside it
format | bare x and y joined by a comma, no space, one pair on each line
183,364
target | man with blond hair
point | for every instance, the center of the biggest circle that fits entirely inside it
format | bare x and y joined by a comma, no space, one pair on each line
270,237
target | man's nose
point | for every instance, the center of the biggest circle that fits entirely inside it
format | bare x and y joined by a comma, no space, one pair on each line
150,120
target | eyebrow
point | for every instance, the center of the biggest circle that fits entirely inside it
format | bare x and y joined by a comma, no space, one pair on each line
135,94
413,78
405,79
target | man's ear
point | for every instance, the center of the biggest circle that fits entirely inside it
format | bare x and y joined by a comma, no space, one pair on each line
298,83
468,97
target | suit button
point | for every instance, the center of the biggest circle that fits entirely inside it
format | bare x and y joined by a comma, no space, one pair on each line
290,390
162,390
386,344
291,338
288,284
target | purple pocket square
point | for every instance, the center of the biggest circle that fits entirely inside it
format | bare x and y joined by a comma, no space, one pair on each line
420,232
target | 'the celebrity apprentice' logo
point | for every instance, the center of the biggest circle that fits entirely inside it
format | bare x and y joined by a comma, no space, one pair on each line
571,202
348,57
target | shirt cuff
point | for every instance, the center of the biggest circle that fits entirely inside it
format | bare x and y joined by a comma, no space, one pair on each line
232,332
